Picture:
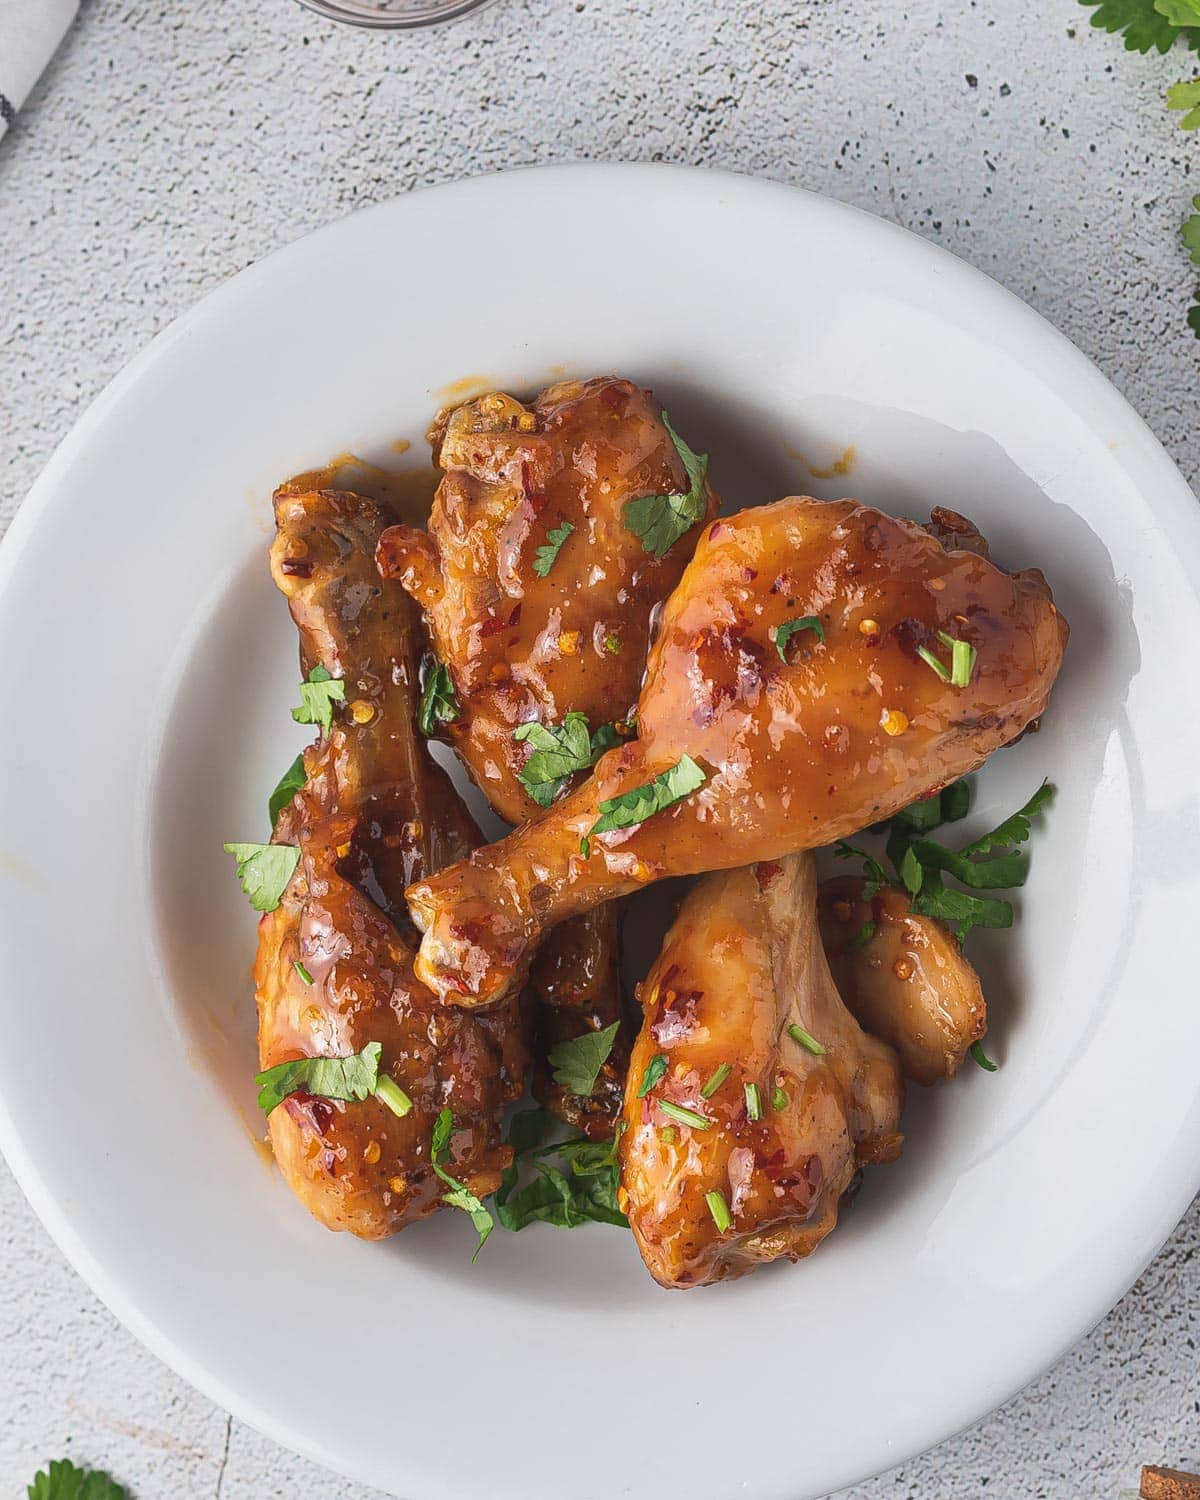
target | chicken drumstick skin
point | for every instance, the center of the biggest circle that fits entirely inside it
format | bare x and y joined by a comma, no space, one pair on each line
798,1096
334,968
803,738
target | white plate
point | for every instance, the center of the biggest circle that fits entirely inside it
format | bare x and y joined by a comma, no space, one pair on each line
149,669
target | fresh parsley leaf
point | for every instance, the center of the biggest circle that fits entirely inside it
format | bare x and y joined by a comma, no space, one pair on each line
61,1480
292,780
655,1069
1191,231
784,633
1181,13
559,752
981,1057
439,701
876,876
959,909
318,693
264,871
443,1129
1193,316
658,521
461,1196
642,802
979,874
582,1189
1186,97
545,557
1143,23
1014,830
576,1063
353,1077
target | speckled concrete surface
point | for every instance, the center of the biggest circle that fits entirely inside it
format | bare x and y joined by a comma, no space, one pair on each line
170,145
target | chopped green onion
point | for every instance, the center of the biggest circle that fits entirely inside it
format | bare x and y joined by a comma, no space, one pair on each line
719,1209
962,659
983,1059
302,971
806,1040
684,1116
779,1100
668,1135
753,1101
389,1092
718,1077
930,660
655,1069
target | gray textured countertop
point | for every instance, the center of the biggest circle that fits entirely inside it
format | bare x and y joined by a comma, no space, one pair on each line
170,145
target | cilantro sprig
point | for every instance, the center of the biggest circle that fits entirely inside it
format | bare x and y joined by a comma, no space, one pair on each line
264,870
545,557
439,702
292,780
559,752
61,1480
352,1078
658,521
581,1188
642,802
319,691
576,1062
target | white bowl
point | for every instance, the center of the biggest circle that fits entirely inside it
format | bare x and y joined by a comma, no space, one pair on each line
149,671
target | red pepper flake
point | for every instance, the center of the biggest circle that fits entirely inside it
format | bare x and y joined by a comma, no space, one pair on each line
296,567
766,871
718,528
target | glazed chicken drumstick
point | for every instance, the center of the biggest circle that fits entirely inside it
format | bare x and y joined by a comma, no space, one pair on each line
819,666
334,970
765,1095
538,598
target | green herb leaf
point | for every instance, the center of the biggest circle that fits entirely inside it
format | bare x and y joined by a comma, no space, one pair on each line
302,971
1191,232
443,1129
983,1059
61,1480
559,752
876,877
720,1211
655,1069
1193,316
1180,13
462,1197
718,1076
545,557
576,1063
789,628
779,1099
980,874
581,1190
959,909
806,1040
318,693
861,938
1144,25
292,781
353,1077
658,521
264,871
684,1115
1186,97
642,802
1014,830
439,702
753,1101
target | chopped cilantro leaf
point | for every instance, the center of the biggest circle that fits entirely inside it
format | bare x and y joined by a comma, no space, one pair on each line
789,628
1144,25
559,753
982,1058
545,557
439,702
443,1129
351,1077
582,1189
655,1069
292,780
264,871
462,1197
318,693
779,1099
642,802
658,521
1186,97
876,875
576,1063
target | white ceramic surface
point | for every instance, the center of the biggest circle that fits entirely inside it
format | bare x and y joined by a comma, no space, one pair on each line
152,666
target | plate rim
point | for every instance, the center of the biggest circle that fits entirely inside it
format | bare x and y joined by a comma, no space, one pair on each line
1173,501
